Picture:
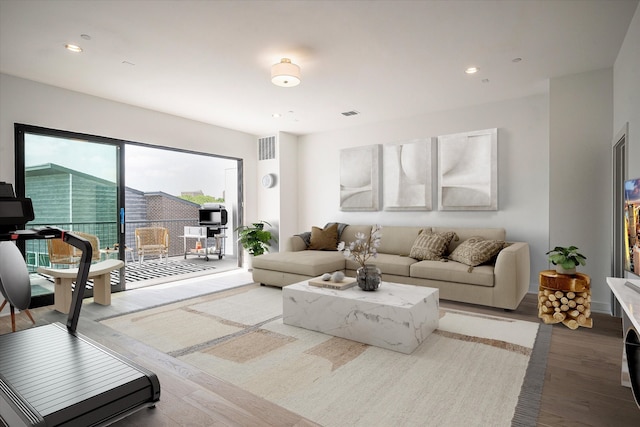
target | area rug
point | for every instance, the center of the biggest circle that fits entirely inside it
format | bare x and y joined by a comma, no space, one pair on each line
157,269
154,270
470,371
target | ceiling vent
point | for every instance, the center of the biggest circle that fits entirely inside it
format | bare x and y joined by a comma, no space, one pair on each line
350,113
267,148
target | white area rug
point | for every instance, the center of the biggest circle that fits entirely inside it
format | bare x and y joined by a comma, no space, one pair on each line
469,372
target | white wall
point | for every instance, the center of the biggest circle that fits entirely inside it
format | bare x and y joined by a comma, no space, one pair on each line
523,172
580,176
288,181
268,208
626,96
32,103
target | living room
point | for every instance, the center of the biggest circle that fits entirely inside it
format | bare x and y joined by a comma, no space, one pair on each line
554,155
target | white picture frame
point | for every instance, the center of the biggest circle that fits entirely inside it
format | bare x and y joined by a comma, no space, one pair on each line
360,178
407,181
468,171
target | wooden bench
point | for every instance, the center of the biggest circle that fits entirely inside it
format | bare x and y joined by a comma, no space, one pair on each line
100,272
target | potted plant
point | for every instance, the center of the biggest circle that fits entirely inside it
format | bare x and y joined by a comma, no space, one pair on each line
254,238
566,259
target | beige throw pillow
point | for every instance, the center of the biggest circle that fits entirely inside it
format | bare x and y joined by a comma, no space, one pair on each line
324,239
431,246
476,250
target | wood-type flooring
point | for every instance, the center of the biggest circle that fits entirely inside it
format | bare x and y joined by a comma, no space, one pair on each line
581,388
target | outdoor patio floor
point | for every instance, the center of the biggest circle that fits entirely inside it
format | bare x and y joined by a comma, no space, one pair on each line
153,272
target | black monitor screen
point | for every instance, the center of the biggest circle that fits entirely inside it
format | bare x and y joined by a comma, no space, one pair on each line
15,212
11,209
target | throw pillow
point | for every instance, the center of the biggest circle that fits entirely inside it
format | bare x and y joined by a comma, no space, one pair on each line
324,239
476,250
431,246
306,237
341,227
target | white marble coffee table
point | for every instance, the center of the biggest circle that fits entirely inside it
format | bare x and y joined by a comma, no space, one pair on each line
396,317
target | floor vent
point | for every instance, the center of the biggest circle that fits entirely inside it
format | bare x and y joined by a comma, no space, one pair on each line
267,148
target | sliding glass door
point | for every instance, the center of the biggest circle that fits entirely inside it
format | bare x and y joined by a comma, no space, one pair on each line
77,182
74,182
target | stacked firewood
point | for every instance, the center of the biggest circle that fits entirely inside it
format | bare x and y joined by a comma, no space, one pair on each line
573,309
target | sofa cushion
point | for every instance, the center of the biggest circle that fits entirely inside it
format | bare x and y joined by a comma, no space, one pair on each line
324,239
398,240
431,246
349,233
452,271
476,250
389,264
307,262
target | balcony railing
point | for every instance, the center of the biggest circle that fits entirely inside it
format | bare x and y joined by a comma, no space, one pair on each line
37,253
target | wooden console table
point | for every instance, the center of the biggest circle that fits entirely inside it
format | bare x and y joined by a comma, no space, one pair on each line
565,298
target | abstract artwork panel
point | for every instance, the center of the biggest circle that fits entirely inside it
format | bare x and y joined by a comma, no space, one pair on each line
407,175
360,178
468,171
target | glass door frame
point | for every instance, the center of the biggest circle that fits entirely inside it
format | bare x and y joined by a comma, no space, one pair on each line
20,130
20,180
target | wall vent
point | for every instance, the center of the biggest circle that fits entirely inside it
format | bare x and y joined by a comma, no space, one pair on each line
350,113
267,148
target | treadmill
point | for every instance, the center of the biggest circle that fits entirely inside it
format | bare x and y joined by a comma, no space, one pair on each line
51,375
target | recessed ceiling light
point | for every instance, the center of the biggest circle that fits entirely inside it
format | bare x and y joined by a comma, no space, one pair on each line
276,115
472,70
85,36
73,48
516,60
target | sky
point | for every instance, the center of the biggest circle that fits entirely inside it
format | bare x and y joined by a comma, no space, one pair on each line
146,169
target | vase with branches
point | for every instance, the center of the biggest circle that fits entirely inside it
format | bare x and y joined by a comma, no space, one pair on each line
362,250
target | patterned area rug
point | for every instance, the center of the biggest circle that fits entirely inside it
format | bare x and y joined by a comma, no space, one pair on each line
157,269
471,371
154,270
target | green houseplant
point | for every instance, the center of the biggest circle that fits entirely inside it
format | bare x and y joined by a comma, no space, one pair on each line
566,259
254,238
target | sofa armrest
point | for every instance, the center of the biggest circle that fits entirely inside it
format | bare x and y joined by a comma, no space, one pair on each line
295,244
512,275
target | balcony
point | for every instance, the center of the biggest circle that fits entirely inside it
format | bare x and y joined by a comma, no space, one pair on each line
151,271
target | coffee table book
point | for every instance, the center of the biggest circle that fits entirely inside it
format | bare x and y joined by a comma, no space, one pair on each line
346,283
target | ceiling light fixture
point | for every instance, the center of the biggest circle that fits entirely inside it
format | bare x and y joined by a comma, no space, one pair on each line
472,70
285,73
73,48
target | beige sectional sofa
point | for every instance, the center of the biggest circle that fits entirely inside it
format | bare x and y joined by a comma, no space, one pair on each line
502,282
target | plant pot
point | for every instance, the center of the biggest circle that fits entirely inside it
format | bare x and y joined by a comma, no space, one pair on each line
368,277
562,270
248,261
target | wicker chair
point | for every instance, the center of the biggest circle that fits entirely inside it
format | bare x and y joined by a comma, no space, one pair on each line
152,240
63,253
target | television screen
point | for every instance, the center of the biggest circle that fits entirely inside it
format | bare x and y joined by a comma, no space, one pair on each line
632,225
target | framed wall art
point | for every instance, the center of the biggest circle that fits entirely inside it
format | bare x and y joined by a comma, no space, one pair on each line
360,178
468,171
407,175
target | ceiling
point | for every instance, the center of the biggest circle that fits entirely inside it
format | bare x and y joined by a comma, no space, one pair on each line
210,60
